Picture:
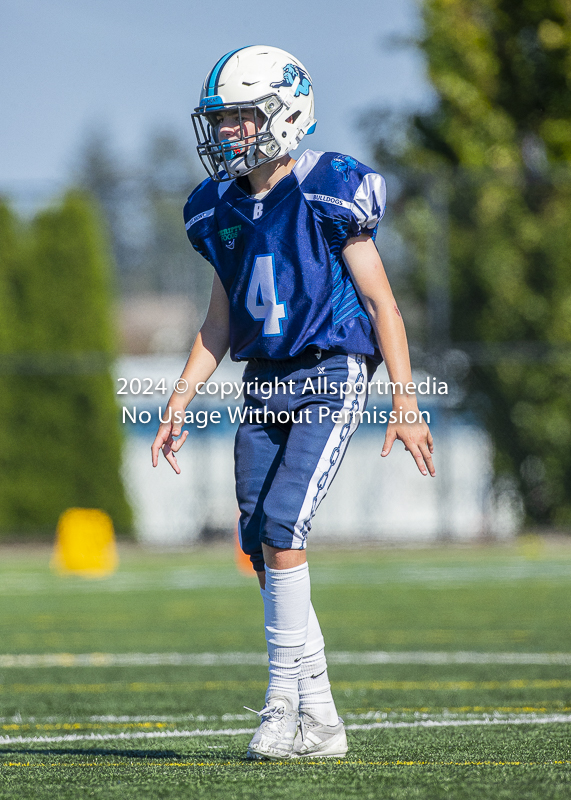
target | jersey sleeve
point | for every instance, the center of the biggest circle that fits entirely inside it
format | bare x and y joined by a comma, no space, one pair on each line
198,213
369,204
343,190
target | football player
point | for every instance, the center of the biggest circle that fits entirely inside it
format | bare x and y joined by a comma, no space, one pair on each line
299,295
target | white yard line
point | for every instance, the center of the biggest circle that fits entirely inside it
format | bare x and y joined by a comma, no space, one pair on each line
443,657
23,661
374,716
184,578
131,659
529,719
105,737
186,734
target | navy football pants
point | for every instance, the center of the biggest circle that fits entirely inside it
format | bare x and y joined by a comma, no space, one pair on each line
285,464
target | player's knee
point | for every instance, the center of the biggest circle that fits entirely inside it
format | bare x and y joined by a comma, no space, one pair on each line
283,558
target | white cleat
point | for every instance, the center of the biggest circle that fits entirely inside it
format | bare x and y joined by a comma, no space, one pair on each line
319,740
274,738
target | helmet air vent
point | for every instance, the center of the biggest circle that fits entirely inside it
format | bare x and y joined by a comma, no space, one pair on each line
291,119
251,78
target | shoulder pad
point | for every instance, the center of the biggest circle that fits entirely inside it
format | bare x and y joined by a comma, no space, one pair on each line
337,172
340,186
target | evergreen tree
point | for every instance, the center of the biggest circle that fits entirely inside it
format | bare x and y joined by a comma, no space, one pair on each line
497,143
63,423
9,259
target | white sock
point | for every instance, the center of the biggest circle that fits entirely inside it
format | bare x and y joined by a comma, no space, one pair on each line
314,688
286,611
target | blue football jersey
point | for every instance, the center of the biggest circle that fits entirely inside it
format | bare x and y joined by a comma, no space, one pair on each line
279,257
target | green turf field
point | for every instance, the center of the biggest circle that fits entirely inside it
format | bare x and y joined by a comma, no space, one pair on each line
452,670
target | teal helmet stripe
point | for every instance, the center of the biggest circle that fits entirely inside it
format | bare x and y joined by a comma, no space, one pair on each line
212,82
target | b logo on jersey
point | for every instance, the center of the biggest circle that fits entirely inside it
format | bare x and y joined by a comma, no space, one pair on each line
291,72
343,164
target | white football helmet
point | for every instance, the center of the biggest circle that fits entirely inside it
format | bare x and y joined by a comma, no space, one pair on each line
277,89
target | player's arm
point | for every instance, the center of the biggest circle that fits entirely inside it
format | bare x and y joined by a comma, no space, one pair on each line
207,352
369,277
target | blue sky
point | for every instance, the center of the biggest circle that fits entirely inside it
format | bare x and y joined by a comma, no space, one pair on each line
137,65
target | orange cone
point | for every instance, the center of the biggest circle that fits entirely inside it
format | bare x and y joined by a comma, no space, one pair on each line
242,560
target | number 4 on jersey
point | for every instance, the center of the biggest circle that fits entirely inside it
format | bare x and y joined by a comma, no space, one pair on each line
262,298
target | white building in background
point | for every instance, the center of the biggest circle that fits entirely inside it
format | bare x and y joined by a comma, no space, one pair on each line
372,498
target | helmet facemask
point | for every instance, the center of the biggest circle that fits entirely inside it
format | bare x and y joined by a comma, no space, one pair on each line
241,156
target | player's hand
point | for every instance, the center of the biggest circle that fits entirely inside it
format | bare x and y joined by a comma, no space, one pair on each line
167,440
416,438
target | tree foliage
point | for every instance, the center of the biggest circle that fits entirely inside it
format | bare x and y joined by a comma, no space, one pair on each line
497,140
60,429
